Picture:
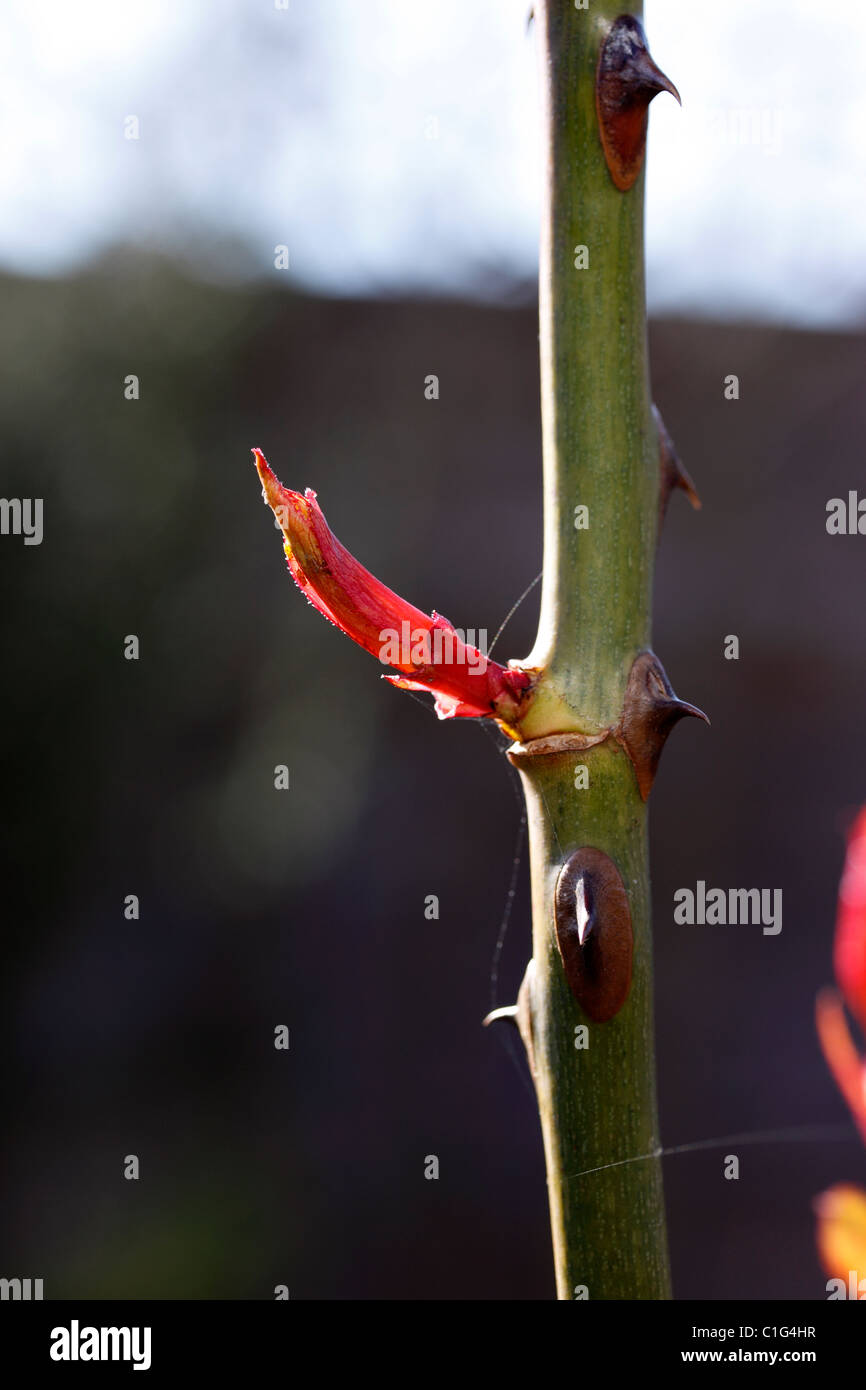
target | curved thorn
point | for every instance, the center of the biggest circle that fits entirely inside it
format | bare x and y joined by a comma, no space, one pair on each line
672,473
626,81
509,1013
650,711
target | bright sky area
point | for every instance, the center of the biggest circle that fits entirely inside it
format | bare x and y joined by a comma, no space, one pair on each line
393,144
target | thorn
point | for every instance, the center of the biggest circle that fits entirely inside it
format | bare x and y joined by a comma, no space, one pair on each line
671,471
626,81
524,1014
519,1014
594,932
650,711
509,1013
583,910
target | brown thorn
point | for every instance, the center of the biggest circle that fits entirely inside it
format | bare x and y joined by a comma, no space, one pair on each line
594,932
671,471
626,81
650,711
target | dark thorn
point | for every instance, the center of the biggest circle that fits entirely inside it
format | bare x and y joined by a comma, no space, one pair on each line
597,962
671,471
650,711
626,81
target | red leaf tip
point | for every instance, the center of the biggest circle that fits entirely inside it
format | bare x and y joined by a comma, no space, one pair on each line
427,650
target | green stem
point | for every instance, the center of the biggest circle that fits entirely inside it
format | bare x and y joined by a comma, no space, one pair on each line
597,1104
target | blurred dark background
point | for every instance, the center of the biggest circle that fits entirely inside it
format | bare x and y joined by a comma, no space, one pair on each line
306,907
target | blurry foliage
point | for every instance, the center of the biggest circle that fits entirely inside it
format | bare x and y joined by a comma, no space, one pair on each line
306,907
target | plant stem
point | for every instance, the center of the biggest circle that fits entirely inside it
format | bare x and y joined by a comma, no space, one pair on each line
597,1104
